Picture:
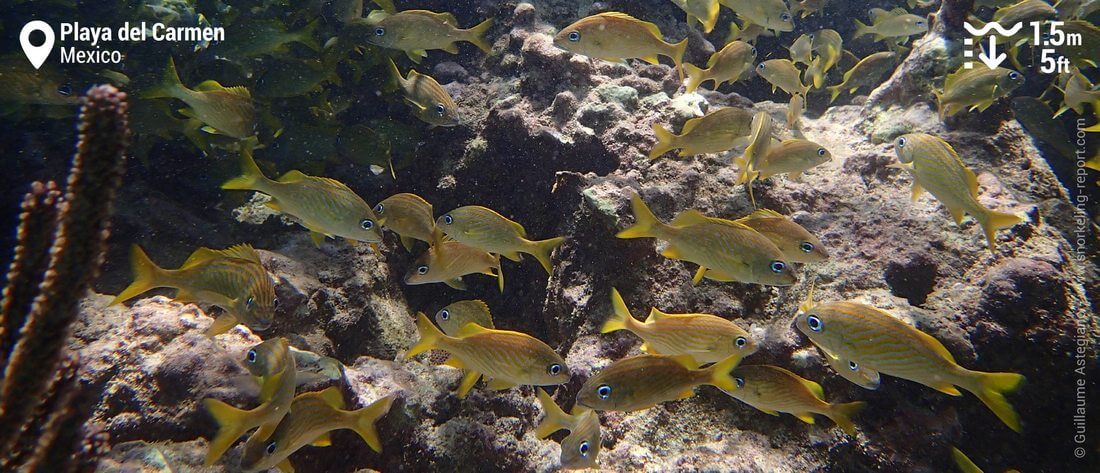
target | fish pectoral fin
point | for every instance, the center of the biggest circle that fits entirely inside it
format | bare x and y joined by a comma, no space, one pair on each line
699,275
686,394
648,349
500,385
805,417
672,252
222,324
795,176
467,383
455,363
917,191
285,466
957,214
407,242
652,59
513,255
948,388
324,440
317,238
416,55
769,412
456,283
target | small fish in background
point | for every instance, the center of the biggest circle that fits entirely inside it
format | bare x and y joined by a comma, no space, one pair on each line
726,66
1077,93
312,417
772,390
417,31
888,25
1035,116
965,465
792,157
640,382
783,74
409,216
868,72
26,86
581,447
429,101
225,110
865,336
797,244
724,250
720,130
261,37
273,364
1081,54
507,359
975,89
747,32
703,11
706,338
829,47
233,279
326,207
448,261
795,108
314,368
801,48
484,228
936,166
614,36
457,314
770,14
804,8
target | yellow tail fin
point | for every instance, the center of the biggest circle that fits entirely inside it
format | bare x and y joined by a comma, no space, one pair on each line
620,316
169,86
555,420
665,141
644,221
834,92
365,418
147,275
842,414
677,55
991,388
541,251
965,464
992,221
429,336
251,177
861,30
695,77
476,35
231,426
720,373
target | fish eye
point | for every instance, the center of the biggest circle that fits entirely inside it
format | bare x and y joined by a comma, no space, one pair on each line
65,89
1013,75
821,151
445,314
448,219
753,52
366,224
604,391
814,323
440,109
248,302
785,17
740,382
761,66
741,342
380,31
379,209
271,447
275,302
853,366
422,269
583,449
777,266
574,36
811,35
554,369
901,142
920,22
806,247
251,356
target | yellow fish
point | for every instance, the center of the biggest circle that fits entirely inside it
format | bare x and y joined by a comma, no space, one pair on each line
720,130
760,141
614,36
725,66
233,279
457,314
703,11
429,101
448,261
892,26
580,448
707,338
792,157
772,390
1077,93
863,336
807,7
748,32
795,108
641,382
312,417
975,88
488,230
797,244
800,49
936,167
783,74
724,250
326,207
273,364
770,14
226,110
417,31
409,216
507,359
829,46
867,72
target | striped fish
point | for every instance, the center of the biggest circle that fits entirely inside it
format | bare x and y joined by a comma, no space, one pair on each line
772,390
409,216
232,279
870,339
707,338
484,228
429,101
457,314
580,448
717,131
641,382
448,261
312,416
724,250
797,244
506,358
936,167
326,207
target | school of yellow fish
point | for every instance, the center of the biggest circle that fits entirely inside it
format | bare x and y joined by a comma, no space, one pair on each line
681,351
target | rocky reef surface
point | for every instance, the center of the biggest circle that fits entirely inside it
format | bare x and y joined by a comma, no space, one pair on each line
559,142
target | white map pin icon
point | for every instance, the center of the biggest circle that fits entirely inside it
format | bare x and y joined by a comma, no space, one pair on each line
36,54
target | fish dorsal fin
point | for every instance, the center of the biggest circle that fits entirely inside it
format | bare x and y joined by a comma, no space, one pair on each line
293,176
808,303
242,251
239,90
522,232
470,329
202,255
655,314
645,24
687,361
689,217
209,86
690,125
441,16
935,345
763,213
376,16
331,396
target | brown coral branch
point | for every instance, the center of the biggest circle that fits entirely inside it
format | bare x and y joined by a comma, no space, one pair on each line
74,260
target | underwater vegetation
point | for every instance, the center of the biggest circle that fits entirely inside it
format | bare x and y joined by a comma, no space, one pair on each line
827,213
